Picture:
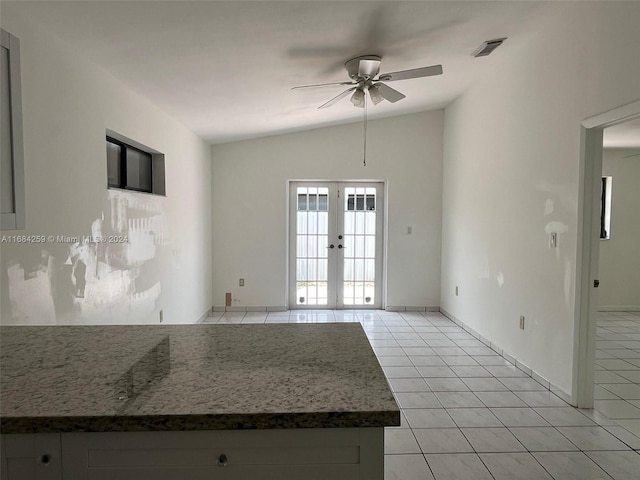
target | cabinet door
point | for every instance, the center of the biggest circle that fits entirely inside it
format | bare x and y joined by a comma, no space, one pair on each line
33,456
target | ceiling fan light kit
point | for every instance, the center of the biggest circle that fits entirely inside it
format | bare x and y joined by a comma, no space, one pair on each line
375,94
358,98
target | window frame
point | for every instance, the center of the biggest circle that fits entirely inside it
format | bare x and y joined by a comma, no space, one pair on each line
15,220
605,207
122,184
157,165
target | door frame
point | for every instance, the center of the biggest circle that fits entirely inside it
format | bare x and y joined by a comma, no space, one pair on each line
383,237
588,247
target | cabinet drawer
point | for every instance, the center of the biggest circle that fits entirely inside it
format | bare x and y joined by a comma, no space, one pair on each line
220,455
304,454
33,456
255,472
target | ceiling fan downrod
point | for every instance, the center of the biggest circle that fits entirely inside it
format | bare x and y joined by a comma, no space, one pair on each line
364,156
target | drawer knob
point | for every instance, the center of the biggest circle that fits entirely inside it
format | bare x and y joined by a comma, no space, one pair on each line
44,459
223,460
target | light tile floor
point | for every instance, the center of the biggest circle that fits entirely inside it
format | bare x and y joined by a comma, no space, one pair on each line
617,378
467,413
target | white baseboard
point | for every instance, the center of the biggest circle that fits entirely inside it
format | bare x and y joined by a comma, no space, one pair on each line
619,308
511,359
205,315
252,308
283,308
412,308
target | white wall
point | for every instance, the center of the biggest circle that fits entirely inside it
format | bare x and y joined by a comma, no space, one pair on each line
511,177
250,204
68,103
619,271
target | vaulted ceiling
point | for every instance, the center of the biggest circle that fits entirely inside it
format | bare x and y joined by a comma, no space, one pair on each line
225,69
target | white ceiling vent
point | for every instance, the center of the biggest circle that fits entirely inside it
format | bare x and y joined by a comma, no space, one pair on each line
487,47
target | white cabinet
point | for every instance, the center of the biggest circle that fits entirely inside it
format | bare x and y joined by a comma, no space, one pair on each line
34,456
287,454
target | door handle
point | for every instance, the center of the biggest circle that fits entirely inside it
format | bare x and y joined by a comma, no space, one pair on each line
331,246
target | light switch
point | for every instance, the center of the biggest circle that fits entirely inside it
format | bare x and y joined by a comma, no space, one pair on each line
553,240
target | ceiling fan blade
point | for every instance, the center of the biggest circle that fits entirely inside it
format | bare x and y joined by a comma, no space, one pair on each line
337,98
415,73
389,93
323,85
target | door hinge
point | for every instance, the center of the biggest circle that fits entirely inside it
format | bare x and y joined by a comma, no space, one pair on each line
338,193
596,283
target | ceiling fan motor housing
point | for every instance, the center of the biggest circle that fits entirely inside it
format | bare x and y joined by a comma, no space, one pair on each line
366,66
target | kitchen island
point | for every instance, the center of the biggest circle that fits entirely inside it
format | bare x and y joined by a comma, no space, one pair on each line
285,401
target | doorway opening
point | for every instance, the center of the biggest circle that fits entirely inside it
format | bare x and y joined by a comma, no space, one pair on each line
336,245
588,248
617,358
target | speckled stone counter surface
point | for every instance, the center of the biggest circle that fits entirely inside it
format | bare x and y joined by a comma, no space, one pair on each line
190,377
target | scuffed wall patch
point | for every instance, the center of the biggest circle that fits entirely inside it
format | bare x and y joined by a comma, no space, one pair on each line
110,274
549,207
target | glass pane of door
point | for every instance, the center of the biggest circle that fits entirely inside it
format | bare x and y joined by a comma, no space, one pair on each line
312,252
360,204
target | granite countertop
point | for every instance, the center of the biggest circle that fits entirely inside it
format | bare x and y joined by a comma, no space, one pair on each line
190,377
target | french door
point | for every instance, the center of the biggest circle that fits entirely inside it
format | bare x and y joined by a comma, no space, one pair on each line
335,245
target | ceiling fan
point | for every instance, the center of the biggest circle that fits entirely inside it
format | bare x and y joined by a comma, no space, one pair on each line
364,73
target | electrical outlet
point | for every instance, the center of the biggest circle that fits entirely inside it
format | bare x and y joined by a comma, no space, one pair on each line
161,316
521,322
457,291
241,282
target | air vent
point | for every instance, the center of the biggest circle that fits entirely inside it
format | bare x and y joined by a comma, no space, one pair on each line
487,47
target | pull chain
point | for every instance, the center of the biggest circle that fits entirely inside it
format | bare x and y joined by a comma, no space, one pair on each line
364,158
